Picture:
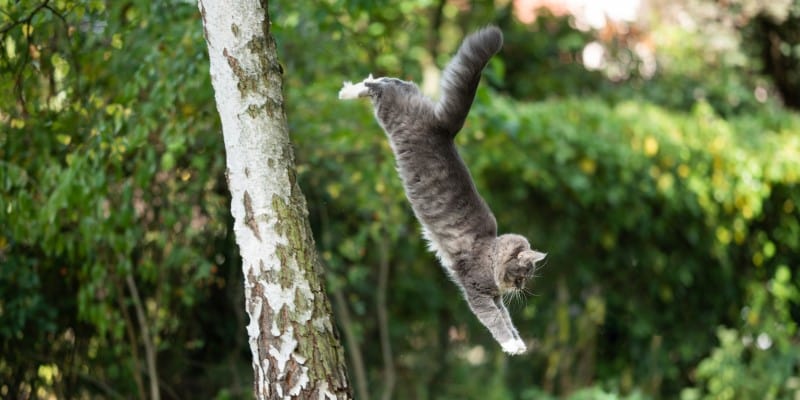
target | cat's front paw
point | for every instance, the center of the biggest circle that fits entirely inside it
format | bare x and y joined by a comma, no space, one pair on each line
513,346
355,90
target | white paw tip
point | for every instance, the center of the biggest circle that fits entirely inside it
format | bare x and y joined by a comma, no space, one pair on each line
353,91
514,346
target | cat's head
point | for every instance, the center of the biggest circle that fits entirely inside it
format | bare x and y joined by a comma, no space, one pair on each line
514,261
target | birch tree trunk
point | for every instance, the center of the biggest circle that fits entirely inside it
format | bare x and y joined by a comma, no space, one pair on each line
296,351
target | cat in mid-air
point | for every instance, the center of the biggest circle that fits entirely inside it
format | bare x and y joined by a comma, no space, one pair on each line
456,221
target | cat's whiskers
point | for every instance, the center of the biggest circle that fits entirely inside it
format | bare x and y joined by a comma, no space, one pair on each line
515,297
509,298
539,265
519,296
528,292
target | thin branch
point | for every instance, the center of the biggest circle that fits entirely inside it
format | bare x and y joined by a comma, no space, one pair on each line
383,321
346,321
18,75
76,66
169,389
108,390
18,81
149,349
436,24
11,25
56,13
137,376
353,348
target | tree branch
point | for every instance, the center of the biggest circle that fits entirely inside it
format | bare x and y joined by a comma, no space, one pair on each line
345,319
433,32
137,376
108,390
11,25
383,321
149,349
353,348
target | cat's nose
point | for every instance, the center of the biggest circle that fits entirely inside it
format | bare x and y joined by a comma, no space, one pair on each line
519,282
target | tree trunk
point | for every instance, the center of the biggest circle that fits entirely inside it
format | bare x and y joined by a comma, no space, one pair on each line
296,352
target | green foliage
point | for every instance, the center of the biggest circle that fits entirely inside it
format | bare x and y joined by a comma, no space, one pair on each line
665,206
533,55
111,174
769,43
590,393
760,359
685,58
668,207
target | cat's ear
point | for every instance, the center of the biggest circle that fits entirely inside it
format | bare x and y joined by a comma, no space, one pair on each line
530,256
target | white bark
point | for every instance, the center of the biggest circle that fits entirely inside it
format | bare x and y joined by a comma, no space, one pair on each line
296,353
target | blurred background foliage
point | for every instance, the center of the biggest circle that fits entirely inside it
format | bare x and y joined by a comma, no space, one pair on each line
654,156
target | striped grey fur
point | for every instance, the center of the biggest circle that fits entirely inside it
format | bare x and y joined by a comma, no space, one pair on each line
456,221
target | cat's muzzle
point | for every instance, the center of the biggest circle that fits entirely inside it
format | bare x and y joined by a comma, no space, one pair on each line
519,282
526,261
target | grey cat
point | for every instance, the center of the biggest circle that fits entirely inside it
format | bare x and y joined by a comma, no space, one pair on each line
456,221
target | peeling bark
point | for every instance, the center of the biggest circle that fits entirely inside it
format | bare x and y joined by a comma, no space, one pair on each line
296,351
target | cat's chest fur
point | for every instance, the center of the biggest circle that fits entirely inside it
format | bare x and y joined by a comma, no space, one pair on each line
438,185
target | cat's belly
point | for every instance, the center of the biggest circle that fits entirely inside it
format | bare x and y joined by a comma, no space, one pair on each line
442,194
453,217
435,246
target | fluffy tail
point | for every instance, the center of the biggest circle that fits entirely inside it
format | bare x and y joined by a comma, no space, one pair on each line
461,77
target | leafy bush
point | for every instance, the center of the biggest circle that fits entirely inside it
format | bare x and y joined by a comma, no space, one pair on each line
666,229
112,200
644,212
761,358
